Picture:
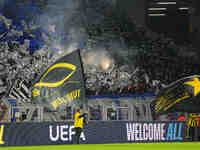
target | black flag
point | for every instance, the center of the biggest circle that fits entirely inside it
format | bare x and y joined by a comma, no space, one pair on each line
61,84
180,96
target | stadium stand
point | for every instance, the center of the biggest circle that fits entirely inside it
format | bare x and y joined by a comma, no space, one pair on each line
149,61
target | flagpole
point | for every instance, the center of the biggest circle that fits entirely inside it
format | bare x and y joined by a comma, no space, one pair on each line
84,100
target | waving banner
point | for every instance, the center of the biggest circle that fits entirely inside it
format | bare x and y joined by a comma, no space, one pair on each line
180,96
61,84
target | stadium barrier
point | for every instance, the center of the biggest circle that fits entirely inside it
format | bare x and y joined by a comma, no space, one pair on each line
97,132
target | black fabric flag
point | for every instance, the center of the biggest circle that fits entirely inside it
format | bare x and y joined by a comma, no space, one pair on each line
180,96
62,84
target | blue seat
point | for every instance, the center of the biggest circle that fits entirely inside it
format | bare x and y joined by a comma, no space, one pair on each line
2,28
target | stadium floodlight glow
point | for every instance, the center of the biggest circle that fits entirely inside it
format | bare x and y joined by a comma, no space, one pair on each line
166,3
157,8
157,14
184,8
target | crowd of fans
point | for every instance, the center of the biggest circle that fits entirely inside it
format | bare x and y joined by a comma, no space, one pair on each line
152,62
156,60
